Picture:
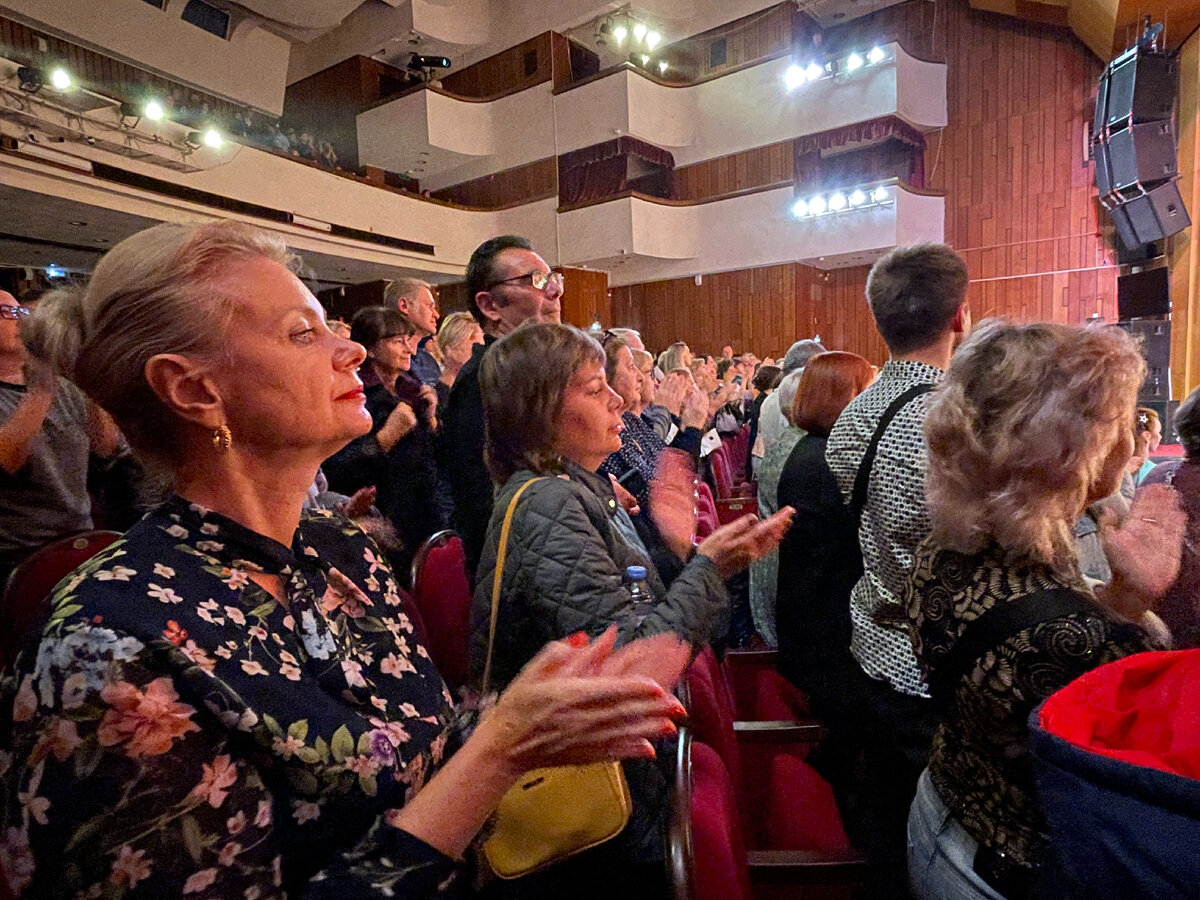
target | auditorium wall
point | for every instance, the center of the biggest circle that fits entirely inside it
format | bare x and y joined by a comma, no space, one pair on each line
1020,203
1185,247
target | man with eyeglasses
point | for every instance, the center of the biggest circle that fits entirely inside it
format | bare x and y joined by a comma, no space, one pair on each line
47,430
509,284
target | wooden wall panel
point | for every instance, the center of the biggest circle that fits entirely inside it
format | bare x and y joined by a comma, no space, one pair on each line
1185,247
750,38
1019,196
758,167
506,72
585,297
523,184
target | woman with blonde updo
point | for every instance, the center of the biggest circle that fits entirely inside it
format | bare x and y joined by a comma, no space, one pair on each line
231,701
1029,426
458,333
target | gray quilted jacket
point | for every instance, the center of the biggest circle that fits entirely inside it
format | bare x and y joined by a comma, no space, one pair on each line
565,573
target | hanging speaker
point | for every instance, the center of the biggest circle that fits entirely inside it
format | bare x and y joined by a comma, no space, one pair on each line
1142,154
1157,213
1141,87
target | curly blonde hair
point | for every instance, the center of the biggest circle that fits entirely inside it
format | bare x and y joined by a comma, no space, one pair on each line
1020,434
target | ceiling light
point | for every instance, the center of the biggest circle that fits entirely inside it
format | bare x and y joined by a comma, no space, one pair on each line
154,111
816,205
639,31
837,202
620,33
854,62
813,72
879,195
77,223
61,80
875,56
793,77
857,198
800,208
652,39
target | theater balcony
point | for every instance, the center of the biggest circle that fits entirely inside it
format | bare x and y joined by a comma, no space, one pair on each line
638,238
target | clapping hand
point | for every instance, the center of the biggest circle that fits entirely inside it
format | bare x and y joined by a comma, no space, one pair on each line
1144,551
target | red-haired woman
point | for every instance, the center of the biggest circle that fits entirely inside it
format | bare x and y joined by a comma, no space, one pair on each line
817,564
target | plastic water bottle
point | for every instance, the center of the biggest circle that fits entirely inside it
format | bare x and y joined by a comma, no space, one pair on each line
640,597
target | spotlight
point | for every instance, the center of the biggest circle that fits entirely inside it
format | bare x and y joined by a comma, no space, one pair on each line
154,111
837,202
793,77
619,34
854,62
800,208
857,198
419,61
879,195
61,80
639,30
816,205
30,79
652,39
875,56
645,60
212,138
662,67
813,72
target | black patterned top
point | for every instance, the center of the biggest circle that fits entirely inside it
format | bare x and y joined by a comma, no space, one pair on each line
980,761
181,732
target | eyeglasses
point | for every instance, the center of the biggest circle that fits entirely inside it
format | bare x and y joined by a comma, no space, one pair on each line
13,312
537,280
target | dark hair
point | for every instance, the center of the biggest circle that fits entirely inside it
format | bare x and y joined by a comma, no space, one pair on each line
767,378
373,324
1187,424
914,293
830,381
523,379
723,365
481,269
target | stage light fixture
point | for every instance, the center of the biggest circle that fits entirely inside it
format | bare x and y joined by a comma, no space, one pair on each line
854,62
816,205
813,72
619,34
837,202
30,79
212,138
662,67
879,195
875,56
154,111
857,198
800,208
793,77
61,80
639,31
645,59
652,39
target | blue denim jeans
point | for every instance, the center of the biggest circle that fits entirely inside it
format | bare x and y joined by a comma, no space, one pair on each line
940,852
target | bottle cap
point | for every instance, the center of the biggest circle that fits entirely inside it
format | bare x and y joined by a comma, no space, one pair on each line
635,573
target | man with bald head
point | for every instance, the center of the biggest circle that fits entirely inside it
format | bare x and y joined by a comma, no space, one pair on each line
508,285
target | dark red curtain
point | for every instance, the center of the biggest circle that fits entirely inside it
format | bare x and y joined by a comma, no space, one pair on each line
601,170
894,149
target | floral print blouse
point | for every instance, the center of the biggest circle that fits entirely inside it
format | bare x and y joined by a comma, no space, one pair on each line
179,732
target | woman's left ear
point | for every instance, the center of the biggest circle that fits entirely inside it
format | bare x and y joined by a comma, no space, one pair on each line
186,388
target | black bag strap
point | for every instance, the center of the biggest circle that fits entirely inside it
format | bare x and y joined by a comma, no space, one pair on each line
858,499
994,627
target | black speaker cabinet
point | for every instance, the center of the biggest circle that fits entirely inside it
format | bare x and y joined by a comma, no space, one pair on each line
1154,340
1142,87
1142,154
1155,214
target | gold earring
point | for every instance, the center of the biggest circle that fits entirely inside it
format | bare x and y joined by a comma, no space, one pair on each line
222,438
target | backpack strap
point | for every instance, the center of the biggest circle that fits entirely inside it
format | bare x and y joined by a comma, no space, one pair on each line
994,627
858,499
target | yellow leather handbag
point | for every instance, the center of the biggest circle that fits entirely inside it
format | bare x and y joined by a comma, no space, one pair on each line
555,812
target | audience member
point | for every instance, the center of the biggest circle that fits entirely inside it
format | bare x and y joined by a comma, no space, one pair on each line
457,336
414,299
764,573
917,297
1180,606
677,356
1148,435
48,429
508,284
1002,617
771,420
551,421
230,701
765,380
